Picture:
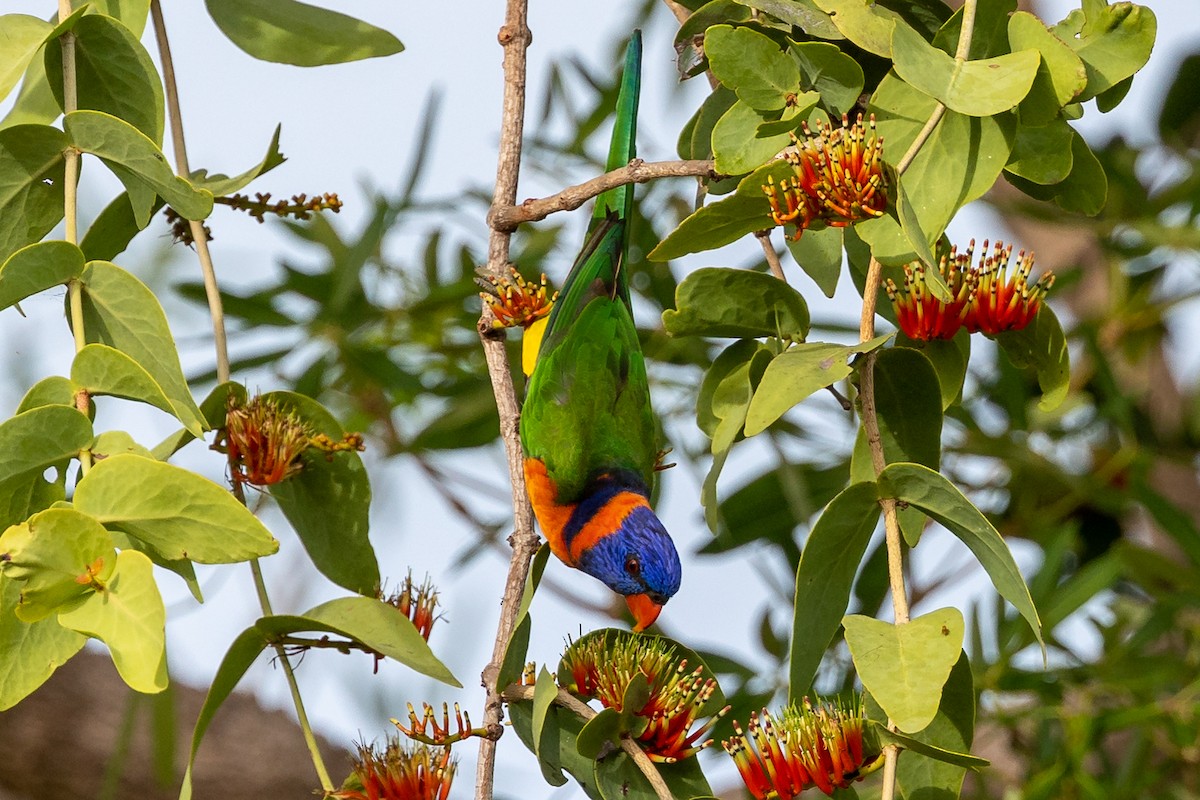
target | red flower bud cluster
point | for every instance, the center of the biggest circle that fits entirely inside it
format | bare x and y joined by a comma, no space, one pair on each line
397,772
515,301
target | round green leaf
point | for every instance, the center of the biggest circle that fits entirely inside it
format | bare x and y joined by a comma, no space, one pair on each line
103,370
1084,191
128,616
328,502
129,152
1042,154
21,36
48,553
1060,76
752,65
114,74
826,69
736,303
736,145
31,175
1042,346
864,22
288,32
35,439
904,667
36,268
1113,42
174,510
29,652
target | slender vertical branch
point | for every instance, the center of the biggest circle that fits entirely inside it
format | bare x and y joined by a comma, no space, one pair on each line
764,238
217,314
870,416
514,38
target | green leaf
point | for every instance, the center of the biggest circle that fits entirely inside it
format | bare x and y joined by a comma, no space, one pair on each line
908,400
128,616
562,729
930,751
831,558
52,391
186,516
740,144
1060,76
1042,346
288,32
114,73
328,502
904,667
976,88
1042,154
863,22
382,628
618,778
736,355
48,553
601,733
40,437
1113,42
793,115
29,652
36,268
223,185
1084,191
544,693
695,140
180,566
826,69
717,224
888,241
129,152
114,228
104,371
949,359
797,373
932,493
752,65
121,312
717,301
951,733
804,14
31,185
21,36
819,253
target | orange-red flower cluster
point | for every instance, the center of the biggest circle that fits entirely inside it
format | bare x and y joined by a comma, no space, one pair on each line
265,443
839,178
604,669
516,302
418,603
818,746
983,297
426,729
396,772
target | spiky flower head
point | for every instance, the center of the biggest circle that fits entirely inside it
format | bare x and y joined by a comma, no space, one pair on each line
821,745
1002,303
425,728
418,603
839,177
399,772
919,312
604,668
516,302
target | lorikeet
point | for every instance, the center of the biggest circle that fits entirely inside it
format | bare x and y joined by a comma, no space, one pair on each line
587,427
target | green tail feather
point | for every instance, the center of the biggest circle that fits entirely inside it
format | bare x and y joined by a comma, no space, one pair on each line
624,145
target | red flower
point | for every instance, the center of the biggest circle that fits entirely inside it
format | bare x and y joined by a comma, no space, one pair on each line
807,746
603,668
416,603
1001,303
919,313
398,773
265,443
838,178
516,302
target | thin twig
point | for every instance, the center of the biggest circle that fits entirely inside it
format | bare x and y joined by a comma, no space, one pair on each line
219,340
506,218
764,238
573,703
514,38
870,416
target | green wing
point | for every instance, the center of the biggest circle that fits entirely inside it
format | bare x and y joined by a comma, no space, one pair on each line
587,407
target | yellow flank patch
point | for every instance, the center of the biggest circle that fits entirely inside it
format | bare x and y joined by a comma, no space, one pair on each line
543,495
531,342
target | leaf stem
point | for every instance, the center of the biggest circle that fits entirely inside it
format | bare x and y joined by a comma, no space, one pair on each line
870,416
217,314
514,38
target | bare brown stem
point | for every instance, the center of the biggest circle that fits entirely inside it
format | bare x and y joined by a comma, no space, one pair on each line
506,218
514,38
764,239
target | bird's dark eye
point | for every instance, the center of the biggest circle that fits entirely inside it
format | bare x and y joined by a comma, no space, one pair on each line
633,566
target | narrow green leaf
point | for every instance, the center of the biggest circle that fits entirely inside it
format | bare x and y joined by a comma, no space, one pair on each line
289,32
904,667
121,312
384,629
928,750
831,558
21,36
31,181
940,499
328,502
29,652
129,617
114,73
186,516
976,88
717,301
129,151
1042,346
797,373
223,185
819,253
104,371
35,439
37,268
114,228
752,65
544,692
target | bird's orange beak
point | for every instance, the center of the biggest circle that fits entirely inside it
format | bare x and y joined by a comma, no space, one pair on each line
644,610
